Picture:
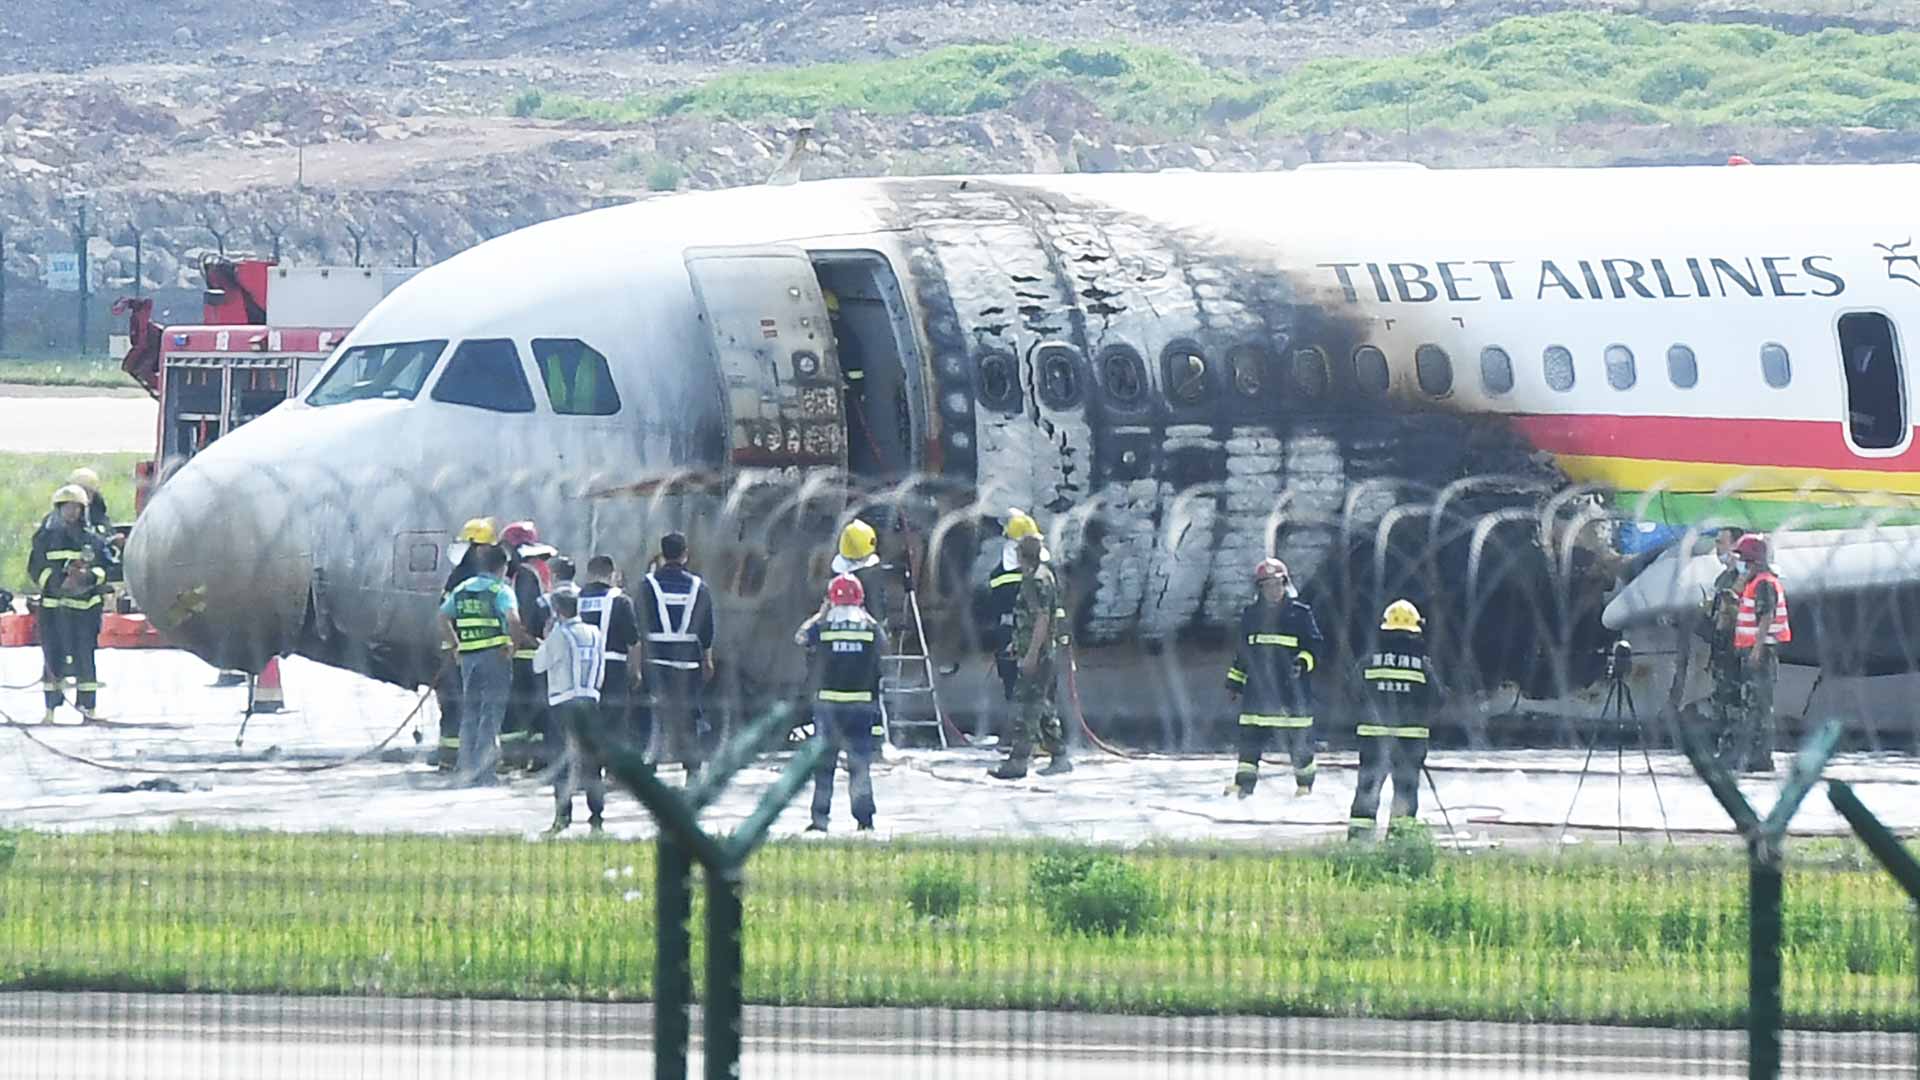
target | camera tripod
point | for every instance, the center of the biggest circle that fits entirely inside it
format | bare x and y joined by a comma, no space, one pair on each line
1618,705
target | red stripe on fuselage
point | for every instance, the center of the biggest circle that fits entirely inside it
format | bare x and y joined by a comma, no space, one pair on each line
1801,444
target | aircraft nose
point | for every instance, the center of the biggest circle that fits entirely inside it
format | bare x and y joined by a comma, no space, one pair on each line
220,560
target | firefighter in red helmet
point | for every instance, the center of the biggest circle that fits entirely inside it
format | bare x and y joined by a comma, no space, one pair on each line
523,738
847,644
1279,647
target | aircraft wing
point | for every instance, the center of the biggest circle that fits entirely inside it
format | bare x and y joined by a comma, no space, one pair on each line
1811,565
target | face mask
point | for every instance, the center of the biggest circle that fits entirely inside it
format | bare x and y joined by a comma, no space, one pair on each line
1739,565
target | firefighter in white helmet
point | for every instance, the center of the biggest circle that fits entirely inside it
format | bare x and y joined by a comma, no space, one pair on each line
1401,689
65,565
1271,677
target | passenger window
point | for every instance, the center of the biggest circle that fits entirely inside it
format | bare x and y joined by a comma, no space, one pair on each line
485,374
1559,366
1370,370
1621,373
577,378
1775,365
1187,375
1434,370
1682,368
1310,372
1496,370
1876,392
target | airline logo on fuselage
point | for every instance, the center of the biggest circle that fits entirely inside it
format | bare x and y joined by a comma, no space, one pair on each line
1465,281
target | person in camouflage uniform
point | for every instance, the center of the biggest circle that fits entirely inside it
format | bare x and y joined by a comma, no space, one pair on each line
1036,631
1728,703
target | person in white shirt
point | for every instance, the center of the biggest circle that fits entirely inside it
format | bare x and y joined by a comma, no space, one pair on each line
574,660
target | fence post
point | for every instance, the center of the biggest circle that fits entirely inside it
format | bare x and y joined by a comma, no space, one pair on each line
682,842
1892,854
673,958
1765,883
3,290
80,236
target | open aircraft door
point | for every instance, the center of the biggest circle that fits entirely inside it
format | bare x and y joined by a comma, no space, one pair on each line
774,349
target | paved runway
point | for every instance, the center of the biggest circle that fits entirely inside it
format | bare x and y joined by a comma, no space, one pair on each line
47,1035
313,768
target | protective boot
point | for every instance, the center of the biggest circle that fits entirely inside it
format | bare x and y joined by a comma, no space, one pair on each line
1360,830
561,823
1057,765
596,825
50,715
1009,770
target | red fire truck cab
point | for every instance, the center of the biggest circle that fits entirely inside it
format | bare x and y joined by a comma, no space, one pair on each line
266,333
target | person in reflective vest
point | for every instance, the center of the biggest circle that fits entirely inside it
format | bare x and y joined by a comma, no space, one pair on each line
1401,687
847,644
678,651
572,660
603,605
1280,644
994,611
523,737
64,563
1039,628
480,620
464,554
1760,624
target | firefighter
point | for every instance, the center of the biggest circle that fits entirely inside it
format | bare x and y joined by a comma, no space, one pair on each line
859,556
572,664
1037,627
995,610
99,521
523,737
1722,604
1401,689
677,649
480,620
1279,646
64,563
1760,624
847,643
603,605
464,554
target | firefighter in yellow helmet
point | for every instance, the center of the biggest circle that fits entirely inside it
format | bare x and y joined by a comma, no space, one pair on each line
994,606
859,557
464,553
65,565
1401,689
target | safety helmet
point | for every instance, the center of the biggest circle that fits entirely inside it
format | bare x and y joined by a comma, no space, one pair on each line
1751,547
1401,615
478,531
845,591
519,534
71,493
1020,525
857,540
85,478
1270,568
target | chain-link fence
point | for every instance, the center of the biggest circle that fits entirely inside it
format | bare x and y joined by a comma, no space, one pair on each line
1553,890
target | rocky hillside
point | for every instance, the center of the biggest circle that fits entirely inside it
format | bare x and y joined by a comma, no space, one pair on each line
423,126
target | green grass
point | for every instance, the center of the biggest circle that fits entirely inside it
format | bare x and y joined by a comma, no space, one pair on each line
27,483
1530,71
66,371
1645,937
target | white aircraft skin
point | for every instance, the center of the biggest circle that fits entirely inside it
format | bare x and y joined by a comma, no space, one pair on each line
1047,325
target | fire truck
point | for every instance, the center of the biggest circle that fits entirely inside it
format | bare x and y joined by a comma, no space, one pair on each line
265,334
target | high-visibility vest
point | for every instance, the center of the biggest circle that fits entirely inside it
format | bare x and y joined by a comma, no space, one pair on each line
674,631
594,610
477,622
850,664
1746,626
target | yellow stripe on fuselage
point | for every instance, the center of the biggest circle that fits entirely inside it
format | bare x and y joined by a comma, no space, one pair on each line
1859,487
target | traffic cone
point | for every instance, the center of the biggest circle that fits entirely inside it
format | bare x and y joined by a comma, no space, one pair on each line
266,695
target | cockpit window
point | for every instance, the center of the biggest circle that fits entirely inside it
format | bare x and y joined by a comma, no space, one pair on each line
577,378
393,372
485,374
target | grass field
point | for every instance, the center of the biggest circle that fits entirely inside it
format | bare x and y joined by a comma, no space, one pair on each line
1531,71
1643,937
27,482
99,371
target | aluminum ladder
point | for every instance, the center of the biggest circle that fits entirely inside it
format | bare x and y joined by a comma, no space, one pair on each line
908,673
